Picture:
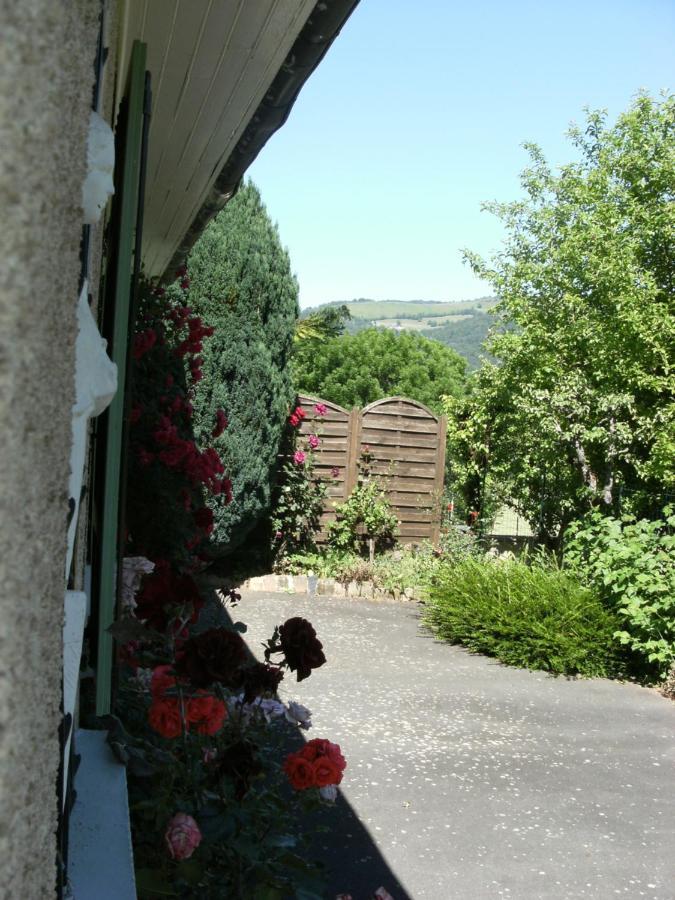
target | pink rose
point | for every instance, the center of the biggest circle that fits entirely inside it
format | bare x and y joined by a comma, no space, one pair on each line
299,457
313,441
320,409
182,836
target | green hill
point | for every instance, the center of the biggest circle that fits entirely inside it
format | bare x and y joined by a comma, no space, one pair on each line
461,325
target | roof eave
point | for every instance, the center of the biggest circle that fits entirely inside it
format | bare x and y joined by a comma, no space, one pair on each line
318,33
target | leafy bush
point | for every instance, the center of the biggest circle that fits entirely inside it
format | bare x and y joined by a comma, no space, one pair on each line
536,616
631,565
365,514
412,569
241,283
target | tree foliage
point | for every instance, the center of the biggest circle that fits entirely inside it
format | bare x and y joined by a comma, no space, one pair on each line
241,283
355,370
580,404
321,324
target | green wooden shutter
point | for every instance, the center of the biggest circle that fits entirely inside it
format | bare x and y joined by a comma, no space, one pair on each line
128,201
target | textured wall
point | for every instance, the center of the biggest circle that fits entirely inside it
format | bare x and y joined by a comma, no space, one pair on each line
46,75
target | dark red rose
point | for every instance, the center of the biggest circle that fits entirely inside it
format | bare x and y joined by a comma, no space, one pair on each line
260,678
301,647
163,590
213,655
204,519
240,763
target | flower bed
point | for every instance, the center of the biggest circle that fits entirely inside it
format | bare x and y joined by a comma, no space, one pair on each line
216,797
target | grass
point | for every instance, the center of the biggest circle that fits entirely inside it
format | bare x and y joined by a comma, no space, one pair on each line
533,616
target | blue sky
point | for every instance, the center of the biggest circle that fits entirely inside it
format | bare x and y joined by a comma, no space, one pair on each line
416,115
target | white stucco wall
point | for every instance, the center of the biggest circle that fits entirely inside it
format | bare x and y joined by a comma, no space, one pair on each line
46,77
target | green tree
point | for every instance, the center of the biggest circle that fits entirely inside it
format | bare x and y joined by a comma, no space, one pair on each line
328,322
241,283
581,402
354,370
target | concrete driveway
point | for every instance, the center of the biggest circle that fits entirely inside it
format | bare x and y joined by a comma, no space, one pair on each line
468,780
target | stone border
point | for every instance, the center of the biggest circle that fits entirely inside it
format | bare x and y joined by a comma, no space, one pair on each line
324,587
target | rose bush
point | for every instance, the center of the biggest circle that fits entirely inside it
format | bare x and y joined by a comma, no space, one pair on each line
203,734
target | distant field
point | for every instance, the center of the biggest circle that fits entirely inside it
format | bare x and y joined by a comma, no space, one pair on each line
394,309
418,324
463,326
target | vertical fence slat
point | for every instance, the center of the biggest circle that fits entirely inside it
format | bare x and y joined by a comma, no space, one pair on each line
440,478
353,448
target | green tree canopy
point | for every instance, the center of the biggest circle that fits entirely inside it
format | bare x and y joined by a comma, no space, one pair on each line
328,322
241,283
354,370
582,397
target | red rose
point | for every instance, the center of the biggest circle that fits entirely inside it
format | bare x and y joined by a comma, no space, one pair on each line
319,747
300,772
161,681
164,717
214,721
163,589
326,772
199,707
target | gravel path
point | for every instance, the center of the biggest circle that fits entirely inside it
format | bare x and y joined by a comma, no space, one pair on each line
468,780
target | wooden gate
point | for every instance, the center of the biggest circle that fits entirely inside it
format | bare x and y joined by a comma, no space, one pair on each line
406,442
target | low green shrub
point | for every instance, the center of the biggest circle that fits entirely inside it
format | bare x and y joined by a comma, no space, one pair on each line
326,563
533,616
411,569
631,565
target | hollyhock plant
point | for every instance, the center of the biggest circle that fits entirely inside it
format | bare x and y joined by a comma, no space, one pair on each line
320,409
299,457
182,836
313,441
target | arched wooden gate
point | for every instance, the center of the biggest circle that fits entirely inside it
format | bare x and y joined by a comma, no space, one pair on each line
406,442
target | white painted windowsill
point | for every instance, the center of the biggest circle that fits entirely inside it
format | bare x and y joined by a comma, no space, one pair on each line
100,857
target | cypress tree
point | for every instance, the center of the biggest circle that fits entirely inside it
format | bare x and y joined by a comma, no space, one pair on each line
241,283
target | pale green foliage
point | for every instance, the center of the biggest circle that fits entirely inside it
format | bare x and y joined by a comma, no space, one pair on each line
631,564
584,388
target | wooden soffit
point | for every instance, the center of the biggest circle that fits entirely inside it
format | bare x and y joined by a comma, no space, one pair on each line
211,63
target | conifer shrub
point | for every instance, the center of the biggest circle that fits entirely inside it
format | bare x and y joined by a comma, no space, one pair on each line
241,284
534,616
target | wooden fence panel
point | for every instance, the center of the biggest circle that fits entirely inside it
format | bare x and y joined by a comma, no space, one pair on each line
406,442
